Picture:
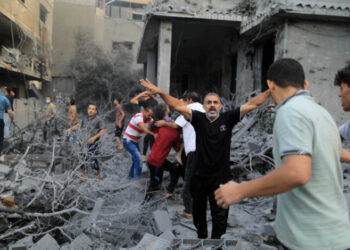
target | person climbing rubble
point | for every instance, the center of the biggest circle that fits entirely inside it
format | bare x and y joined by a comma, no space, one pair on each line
212,157
5,106
91,130
311,208
72,119
167,138
189,137
145,100
119,122
49,118
138,125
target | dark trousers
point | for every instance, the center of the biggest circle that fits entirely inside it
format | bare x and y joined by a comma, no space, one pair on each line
2,124
156,177
49,125
147,141
202,189
186,192
90,157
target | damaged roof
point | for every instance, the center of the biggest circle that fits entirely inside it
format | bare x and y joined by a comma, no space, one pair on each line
168,10
327,10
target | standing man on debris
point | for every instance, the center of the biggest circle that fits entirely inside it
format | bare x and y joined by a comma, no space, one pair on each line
94,129
4,106
72,118
311,209
8,132
119,122
189,137
146,101
212,157
137,126
49,116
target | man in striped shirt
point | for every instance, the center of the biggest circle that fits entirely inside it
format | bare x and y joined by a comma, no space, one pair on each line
138,125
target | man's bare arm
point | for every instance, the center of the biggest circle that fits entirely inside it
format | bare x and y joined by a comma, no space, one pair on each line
163,123
294,171
9,111
345,156
146,130
98,135
171,101
135,100
255,102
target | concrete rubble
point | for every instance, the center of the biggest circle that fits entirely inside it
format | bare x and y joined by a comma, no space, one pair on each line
46,205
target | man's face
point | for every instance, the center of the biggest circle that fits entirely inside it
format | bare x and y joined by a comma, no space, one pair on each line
212,106
48,100
148,113
116,102
92,110
344,94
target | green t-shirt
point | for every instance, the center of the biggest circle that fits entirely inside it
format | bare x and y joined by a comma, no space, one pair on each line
315,215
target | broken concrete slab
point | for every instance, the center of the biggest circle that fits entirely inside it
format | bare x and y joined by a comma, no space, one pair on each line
167,235
46,243
162,221
4,169
82,242
24,244
151,242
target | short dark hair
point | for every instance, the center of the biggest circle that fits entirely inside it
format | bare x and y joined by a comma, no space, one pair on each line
343,75
72,101
116,97
194,96
159,111
287,72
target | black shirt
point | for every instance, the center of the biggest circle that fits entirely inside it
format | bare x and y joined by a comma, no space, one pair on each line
213,142
92,127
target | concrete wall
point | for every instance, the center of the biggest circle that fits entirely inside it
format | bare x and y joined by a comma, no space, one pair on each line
322,48
69,17
26,111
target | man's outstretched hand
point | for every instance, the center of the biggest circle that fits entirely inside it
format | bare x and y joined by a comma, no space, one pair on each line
152,88
228,194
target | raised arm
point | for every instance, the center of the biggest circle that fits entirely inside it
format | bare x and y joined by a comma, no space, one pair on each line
163,123
135,100
254,103
171,101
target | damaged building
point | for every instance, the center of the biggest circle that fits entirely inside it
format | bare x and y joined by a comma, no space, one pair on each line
228,46
25,43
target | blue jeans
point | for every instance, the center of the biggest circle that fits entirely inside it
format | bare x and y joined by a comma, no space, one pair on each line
133,148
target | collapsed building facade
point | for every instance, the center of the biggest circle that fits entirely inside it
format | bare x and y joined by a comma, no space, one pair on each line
227,46
25,42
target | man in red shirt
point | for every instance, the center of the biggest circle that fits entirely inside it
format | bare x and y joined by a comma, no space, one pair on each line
167,138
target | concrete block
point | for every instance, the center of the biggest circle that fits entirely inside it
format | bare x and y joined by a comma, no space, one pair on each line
151,242
46,243
22,244
4,169
162,221
82,242
167,235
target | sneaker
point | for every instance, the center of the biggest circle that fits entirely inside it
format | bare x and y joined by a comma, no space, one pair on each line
2,158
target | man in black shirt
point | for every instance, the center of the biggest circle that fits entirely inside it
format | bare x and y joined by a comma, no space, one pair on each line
212,157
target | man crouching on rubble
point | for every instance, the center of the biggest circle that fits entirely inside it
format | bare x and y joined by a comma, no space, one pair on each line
311,208
212,158
94,128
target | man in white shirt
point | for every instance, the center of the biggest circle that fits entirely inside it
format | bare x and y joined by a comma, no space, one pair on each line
189,136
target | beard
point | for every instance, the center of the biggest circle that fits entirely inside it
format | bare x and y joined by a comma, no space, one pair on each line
212,115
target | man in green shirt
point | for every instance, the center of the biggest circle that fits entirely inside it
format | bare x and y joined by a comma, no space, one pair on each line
311,210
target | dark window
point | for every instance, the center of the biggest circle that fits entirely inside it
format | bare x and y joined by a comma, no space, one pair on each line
268,57
23,1
43,13
137,17
118,45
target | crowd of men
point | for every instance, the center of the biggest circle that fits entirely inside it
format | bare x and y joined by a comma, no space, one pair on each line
312,212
